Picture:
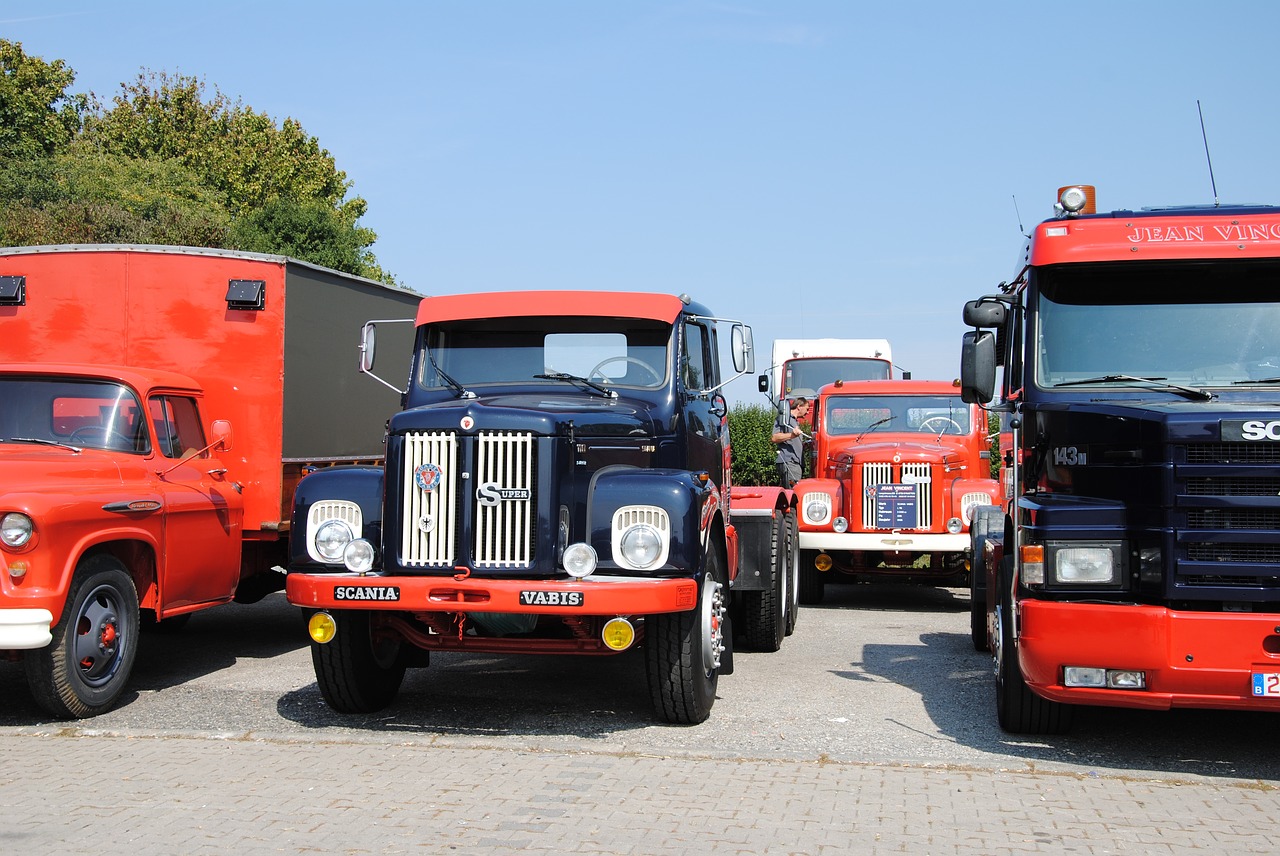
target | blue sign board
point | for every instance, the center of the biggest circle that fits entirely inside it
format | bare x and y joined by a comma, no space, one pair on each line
896,506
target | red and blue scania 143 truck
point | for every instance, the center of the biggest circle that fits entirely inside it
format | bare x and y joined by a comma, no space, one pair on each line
1136,559
558,483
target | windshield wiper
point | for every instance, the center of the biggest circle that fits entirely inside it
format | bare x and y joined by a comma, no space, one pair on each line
458,389
569,378
873,426
1259,380
1162,383
44,442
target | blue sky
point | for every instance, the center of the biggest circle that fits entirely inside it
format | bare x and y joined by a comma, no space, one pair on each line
814,168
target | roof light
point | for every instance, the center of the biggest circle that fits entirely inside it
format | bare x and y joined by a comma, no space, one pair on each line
1076,199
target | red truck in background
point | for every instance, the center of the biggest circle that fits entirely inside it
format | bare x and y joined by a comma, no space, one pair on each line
158,405
899,467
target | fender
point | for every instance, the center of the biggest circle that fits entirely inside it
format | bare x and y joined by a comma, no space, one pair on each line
361,485
683,496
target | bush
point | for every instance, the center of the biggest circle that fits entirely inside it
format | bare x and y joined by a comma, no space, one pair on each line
750,426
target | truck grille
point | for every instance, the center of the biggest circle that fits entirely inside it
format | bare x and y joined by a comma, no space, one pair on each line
879,473
500,495
1230,541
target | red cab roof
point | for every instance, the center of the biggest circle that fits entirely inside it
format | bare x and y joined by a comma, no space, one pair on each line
516,304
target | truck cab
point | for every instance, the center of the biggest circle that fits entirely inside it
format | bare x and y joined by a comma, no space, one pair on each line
557,482
899,468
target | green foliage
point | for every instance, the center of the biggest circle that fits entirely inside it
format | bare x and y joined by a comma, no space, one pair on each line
750,427
167,163
993,438
37,116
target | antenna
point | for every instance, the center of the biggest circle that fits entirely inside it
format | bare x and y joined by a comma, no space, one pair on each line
1212,183
1018,214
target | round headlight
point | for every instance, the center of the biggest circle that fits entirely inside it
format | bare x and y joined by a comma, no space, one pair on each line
955,525
358,556
16,529
331,539
641,546
841,525
579,560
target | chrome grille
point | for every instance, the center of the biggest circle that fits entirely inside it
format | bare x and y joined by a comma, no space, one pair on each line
430,516
505,526
882,472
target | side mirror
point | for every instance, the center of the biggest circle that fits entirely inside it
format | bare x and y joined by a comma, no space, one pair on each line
978,367
744,356
368,342
985,312
221,430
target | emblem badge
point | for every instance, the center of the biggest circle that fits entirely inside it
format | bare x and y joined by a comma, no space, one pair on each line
427,477
426,524
467,423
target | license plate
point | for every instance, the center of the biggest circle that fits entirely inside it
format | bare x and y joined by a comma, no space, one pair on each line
1266,684
552,598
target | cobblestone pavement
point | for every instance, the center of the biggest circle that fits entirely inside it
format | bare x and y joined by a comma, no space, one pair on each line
74,789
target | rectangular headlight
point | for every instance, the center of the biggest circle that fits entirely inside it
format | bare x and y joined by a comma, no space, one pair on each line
1097,563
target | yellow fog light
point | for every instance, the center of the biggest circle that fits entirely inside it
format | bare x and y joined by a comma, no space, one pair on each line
322,627
17,570
618,634
823,562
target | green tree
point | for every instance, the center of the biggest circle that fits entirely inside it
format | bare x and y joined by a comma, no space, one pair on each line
37,115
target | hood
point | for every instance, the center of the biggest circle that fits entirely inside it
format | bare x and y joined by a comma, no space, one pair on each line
544,413
30,467
887,447
1164,419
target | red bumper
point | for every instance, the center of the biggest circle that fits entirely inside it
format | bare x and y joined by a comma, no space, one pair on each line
1191,659
596,596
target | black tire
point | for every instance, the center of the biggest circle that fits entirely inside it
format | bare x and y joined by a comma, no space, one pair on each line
682,652
812,584
87,665
356,672
793,570
978,533
1019,710
764,612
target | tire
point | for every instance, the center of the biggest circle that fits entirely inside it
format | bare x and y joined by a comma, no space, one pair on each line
83,671
1019,710
812,584
683,649
978,533
356,672
793,570
764,612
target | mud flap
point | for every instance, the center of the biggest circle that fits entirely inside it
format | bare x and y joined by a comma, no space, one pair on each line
726,656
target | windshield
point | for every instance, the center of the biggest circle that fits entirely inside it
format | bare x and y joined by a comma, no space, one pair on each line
609,351
845,415
1195,323
812,374
90,414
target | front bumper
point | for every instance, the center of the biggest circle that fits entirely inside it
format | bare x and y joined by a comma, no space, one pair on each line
894,542
1191,659
24,629
596,595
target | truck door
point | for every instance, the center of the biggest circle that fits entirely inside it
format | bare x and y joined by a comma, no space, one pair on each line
203,513
705,416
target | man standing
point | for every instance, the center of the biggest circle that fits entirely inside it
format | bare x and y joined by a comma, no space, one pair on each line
790,440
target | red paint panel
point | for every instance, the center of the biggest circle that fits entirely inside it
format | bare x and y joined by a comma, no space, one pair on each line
511,304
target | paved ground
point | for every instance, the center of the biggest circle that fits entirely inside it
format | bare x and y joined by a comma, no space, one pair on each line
870,732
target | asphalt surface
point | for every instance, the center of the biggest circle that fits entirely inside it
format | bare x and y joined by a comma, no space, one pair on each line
873,730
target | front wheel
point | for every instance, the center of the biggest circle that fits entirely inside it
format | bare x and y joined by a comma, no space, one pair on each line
683,651
1020,710
358,671
85,668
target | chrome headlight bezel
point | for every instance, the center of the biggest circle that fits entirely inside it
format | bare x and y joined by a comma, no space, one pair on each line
325,513
969,502
817,508
640,537
17,530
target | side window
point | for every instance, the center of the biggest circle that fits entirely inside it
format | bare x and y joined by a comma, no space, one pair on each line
177,424
695,356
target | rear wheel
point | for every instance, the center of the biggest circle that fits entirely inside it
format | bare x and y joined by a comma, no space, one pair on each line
683,652
811,581
1020,711
763,612
85,668
358,671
